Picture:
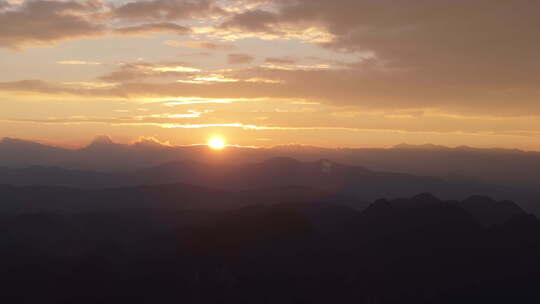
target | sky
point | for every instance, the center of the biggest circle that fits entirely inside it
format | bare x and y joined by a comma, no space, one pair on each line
331,73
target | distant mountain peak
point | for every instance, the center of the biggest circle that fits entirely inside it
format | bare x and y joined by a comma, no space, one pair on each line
380,204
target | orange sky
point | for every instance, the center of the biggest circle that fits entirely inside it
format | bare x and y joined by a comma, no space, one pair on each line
346,73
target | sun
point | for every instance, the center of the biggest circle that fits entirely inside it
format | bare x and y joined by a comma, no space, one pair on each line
216,143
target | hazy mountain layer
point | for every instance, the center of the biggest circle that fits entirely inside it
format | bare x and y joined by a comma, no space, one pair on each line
512,167
334,179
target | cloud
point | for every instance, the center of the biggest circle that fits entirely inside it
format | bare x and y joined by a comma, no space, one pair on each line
32,87
4,4
165,100
197,54
465,59
208,45
167,10
152,28
90,85
33,23
362,89
47,22
239,59
456,55
78,62
143,70
252,21
281,60
312,121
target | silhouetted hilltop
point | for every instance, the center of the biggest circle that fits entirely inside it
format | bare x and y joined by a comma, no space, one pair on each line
489,211
426,214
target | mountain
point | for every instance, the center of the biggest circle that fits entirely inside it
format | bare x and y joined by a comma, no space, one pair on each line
489,211
323,174
21,153
189,244
519,169
72,200
56,176
275,172
422,215
323,178
157,197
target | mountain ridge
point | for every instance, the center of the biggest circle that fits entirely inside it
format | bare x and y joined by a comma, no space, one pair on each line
326,176
502,166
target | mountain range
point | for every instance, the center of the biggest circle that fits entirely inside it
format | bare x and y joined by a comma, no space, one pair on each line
514,168
147,244
149,223
278,177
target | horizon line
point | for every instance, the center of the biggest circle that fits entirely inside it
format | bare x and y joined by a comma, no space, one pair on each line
151,139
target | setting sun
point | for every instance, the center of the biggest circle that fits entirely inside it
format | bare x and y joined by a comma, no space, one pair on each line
216,143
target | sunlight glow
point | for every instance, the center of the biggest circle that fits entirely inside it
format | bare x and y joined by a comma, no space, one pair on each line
216,143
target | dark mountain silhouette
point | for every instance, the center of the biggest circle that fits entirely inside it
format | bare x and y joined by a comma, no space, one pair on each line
414,250
489,211
423,216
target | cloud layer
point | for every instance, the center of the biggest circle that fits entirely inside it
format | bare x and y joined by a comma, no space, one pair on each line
38,23
477,60
46,22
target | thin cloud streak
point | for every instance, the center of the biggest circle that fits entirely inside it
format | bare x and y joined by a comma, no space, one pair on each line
252,127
